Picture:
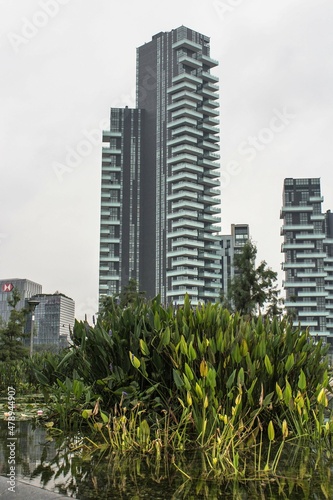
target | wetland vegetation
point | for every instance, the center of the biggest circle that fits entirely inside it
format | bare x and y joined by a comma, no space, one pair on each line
198,399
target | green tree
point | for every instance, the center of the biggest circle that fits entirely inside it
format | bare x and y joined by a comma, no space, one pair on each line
253,287
130,294
12,334
112,305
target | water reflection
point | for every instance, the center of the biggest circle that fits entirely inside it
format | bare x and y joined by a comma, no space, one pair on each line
63,465
30,448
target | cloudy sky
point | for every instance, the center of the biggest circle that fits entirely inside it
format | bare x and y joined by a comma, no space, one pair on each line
64,63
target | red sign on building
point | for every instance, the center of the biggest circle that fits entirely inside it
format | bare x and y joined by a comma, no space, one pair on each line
7,287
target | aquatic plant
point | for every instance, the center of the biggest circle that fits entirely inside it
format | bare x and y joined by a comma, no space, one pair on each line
193,377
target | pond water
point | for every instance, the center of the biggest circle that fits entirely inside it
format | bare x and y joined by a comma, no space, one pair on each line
61,465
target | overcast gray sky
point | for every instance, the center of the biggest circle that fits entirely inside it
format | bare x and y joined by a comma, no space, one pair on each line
64,63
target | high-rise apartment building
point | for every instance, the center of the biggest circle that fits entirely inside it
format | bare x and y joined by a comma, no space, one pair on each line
232,244
160,176
328,268
308,259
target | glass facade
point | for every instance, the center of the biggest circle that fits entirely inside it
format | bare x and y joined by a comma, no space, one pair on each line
26,289
54,319
54,315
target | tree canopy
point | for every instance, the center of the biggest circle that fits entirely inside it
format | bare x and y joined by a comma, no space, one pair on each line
252,288
12,334
130,294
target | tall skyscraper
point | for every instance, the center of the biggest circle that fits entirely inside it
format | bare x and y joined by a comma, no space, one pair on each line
308,256
328,268
160,176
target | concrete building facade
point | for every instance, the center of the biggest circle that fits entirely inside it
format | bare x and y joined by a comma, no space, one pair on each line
308,261
120,202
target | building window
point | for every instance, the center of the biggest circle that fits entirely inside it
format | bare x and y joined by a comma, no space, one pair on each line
114,213
303,218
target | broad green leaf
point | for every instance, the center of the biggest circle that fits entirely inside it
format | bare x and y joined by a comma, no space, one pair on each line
219,340
198,390
268,365
42,379
105,417
192,355
290,362
186,382
302,381
211,378
231,379
267,400
271,432
262,347
236,354
322,398
203,368
177,378
278,391
189,398
183,345
165,337
144,348
250,390
240,376
134,360
188,372
157,321
244,348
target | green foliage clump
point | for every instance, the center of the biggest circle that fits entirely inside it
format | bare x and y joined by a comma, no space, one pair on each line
213,371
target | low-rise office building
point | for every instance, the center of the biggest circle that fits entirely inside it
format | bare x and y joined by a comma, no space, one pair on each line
54,319
26,289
